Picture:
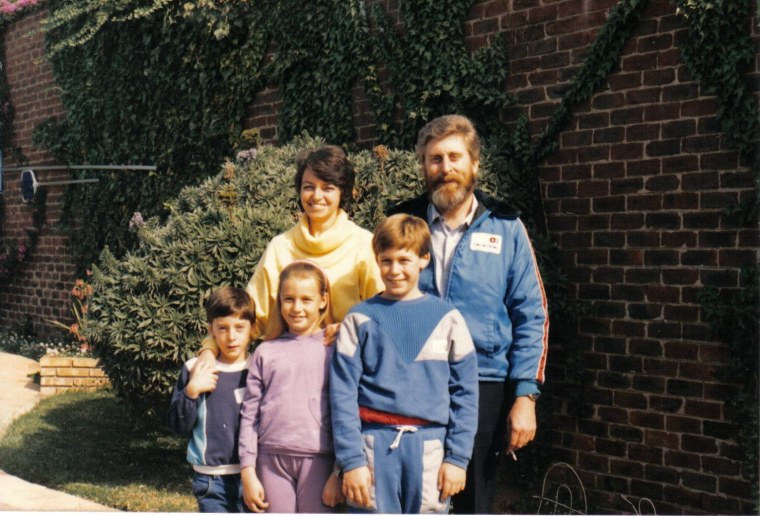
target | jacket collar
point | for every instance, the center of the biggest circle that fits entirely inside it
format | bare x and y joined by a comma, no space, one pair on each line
418,207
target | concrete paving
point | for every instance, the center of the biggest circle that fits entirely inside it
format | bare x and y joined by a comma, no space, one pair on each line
18,395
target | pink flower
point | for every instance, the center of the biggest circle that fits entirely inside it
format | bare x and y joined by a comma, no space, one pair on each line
10,7
137,221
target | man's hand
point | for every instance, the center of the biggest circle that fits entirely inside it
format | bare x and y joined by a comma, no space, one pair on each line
356,486
521,423
253,491
203,378
331,493
331,333
451,480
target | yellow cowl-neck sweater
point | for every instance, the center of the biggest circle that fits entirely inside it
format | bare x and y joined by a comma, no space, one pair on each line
344,252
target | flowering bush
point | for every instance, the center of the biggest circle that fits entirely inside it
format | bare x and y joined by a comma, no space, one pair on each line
145,316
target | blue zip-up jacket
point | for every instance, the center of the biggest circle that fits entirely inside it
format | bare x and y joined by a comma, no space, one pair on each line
496,285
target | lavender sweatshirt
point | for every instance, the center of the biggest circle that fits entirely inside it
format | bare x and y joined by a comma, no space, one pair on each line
286,408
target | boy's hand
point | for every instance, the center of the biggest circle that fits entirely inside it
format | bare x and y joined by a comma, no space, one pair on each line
331,494
451,480
253,491
331,333
203,378
356,485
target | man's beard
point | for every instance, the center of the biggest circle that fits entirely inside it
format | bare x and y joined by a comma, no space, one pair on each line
442,196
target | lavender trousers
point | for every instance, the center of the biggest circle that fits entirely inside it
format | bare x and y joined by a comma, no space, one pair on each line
294,483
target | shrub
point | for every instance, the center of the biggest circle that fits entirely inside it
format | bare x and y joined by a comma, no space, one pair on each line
145,315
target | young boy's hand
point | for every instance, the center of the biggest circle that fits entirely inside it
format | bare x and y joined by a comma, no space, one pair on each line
451,480
331,494
203,378
356,485
331,333
253,491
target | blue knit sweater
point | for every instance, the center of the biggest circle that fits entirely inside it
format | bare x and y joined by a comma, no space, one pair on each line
412,358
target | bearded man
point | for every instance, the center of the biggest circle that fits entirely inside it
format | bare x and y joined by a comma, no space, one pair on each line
484,264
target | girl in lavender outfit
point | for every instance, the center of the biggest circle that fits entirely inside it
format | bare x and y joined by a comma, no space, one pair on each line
285,446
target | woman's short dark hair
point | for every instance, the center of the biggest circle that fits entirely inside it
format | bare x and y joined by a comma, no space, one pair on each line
331,165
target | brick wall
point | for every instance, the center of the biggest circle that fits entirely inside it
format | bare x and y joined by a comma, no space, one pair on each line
634,196
42,290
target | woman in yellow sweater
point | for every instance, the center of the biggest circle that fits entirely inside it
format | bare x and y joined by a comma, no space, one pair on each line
324,235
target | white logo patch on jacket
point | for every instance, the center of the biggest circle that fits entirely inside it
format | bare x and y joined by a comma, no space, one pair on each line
486,243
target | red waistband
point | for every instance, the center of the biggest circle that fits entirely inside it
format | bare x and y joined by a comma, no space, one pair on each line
368,415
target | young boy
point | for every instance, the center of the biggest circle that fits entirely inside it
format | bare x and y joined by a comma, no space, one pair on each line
206,401
403,386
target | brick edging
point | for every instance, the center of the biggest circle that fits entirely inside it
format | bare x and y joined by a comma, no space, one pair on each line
60,374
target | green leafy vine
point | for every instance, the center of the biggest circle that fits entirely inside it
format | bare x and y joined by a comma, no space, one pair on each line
718,51
735,319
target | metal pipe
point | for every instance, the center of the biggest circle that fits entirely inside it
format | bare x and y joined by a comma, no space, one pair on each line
147,168
72,182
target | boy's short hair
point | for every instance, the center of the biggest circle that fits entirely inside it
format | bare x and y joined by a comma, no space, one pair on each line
331,165
230,301
402,231
445,126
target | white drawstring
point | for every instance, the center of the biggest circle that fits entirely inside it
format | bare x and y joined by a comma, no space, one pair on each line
401,430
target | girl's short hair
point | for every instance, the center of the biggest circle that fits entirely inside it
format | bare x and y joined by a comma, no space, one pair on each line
402,231
276,325
445,126
230,301
330,164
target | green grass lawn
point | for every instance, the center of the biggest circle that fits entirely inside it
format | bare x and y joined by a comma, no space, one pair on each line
88,445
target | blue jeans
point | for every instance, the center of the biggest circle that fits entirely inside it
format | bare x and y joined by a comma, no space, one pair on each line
218,493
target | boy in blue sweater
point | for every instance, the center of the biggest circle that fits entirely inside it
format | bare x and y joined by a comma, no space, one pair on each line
207,399
403,386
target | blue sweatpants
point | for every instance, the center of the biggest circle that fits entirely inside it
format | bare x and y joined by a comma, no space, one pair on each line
405,461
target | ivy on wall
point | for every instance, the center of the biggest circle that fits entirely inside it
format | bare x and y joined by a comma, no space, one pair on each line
717,52
13,254
430,72
735,319
160,90
318,52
